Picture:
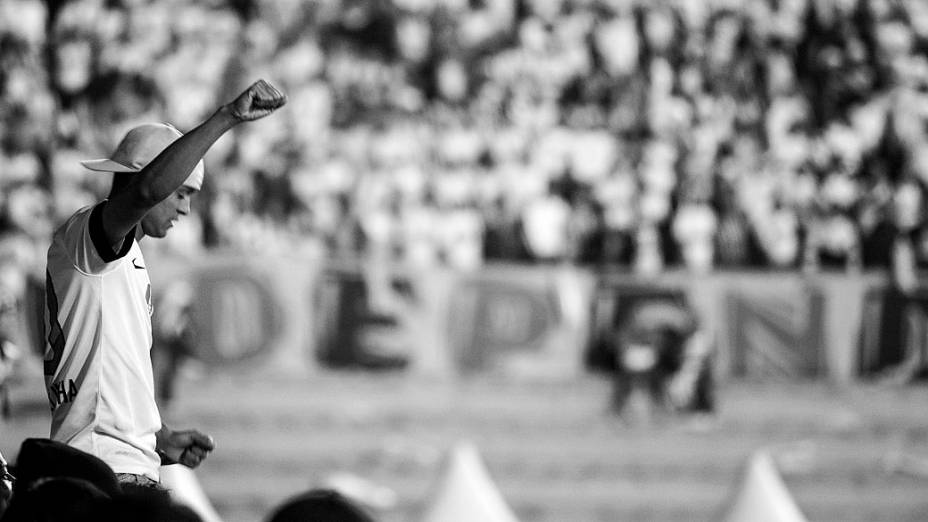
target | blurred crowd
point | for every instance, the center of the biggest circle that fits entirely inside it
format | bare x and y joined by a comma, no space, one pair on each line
643,134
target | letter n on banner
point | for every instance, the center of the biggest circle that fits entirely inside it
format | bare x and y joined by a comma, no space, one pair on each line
776,332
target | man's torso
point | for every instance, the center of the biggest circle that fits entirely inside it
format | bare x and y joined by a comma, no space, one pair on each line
97,364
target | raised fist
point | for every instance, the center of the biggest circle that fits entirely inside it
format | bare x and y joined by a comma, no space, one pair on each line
257,101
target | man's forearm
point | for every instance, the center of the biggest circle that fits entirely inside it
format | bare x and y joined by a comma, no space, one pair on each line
169,169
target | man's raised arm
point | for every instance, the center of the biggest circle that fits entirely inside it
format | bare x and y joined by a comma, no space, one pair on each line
164,174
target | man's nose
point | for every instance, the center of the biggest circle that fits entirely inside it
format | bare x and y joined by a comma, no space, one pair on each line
184,207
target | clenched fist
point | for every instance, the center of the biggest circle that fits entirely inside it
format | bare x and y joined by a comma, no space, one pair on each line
187,447
257,101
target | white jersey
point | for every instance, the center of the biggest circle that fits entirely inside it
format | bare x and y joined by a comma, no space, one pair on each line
98,370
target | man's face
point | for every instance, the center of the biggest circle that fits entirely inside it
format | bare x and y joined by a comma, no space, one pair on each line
163,215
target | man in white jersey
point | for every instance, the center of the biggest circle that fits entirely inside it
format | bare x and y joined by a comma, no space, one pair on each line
98,369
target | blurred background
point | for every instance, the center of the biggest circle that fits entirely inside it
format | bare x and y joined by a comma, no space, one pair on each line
619,245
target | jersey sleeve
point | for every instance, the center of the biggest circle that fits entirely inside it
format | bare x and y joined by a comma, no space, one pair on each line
86,242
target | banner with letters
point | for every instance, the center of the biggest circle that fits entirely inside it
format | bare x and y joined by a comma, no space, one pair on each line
544,321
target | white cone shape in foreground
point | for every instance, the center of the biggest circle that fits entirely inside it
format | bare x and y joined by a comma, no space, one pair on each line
185,489
762,496
465,492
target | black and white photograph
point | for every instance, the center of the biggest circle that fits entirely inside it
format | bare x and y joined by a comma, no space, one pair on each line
464,260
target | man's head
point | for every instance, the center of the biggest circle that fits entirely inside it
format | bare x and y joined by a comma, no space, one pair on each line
139,146
320,504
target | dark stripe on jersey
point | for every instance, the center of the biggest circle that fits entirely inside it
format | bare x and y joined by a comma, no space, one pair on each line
55,333
98,236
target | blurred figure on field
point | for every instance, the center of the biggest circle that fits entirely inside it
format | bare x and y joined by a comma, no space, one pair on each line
12,289
173,336
663,354
904,343
9,350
